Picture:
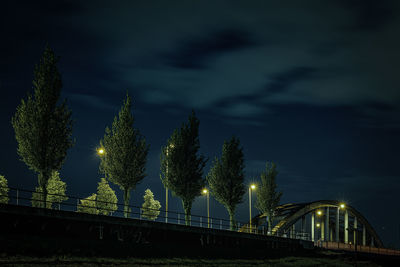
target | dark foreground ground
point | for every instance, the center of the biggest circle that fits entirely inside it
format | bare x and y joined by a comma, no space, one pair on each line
323,260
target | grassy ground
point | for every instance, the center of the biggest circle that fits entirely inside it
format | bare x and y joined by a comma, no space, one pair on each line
80,261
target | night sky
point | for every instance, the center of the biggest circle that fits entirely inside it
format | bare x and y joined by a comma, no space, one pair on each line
310,85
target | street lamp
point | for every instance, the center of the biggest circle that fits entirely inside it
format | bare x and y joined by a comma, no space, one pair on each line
252,187
342,205
207,193
319,213
101,151
170,146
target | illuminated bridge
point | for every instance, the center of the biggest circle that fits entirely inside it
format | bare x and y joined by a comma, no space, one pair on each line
322,220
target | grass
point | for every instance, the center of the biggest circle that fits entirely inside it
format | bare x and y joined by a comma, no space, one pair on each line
94,261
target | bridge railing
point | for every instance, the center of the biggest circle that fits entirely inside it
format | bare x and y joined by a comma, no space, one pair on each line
356,248
23,197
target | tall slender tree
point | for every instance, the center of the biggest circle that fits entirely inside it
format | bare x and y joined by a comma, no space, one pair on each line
226,177
181,166
124,159
267,195
43,127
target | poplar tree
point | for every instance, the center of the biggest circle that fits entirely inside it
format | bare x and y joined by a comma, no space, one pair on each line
106,198
3,190
226,177
124,159
42,125
267,195
181,166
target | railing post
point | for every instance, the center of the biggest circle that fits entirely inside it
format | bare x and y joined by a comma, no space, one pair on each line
17,196
220,224
179,218
201,225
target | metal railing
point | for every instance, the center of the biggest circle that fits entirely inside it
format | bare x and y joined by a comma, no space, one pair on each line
23,197
356,248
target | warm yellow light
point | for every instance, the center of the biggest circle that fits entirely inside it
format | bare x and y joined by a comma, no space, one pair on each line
319,212
253,186
342,206
100,151
205,191
171,145
318,225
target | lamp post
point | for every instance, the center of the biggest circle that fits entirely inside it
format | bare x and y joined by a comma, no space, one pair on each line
101,152
166,188
207,193
251,187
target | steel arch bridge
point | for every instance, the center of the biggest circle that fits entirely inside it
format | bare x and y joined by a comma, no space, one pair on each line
329,213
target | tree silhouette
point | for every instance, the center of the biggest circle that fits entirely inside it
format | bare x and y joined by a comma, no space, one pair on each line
226,177
43,128
267,196
124,159
181,166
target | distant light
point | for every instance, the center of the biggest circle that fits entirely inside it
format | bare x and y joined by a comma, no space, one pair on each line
342,206
319,212
253,186
318,225
100,151
205,191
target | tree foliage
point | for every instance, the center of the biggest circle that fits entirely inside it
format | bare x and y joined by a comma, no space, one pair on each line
43,128
181,166
267,195
88,205
4,190
124,160
106,201
150,207
55,192
226,177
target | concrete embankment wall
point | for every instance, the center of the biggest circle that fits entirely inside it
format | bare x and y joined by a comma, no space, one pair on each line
35,231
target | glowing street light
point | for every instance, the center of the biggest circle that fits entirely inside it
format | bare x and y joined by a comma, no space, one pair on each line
252,187
101,151
319,213
342,205
318,225
207,193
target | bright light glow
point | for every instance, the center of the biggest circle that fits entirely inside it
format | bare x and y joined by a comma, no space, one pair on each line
318,225
100,151
205,191
253,186
342,206
171,145
319,212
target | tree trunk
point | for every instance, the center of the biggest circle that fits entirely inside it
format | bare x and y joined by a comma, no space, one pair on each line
232,219
126,202
43,181
270,224
187,206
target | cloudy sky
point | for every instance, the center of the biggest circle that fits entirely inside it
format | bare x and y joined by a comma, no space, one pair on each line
310,85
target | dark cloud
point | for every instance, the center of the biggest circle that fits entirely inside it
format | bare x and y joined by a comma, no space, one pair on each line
371,15
197,53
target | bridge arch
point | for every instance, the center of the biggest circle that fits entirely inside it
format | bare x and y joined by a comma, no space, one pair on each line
288,214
